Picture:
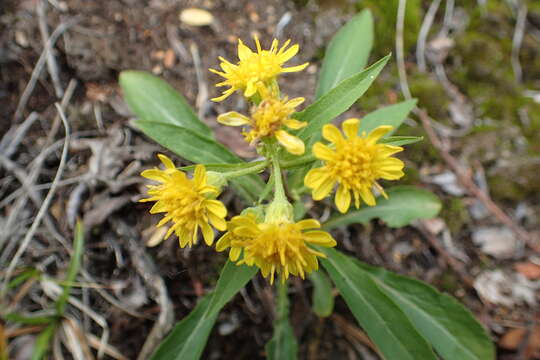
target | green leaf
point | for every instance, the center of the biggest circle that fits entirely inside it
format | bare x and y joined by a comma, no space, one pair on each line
385,323
442,320
189,336
323,299
199,149
283,344
401,140
30,320
73,268
347,53
43,341
231,280
337,101
404,204
393,115
23,276
152,99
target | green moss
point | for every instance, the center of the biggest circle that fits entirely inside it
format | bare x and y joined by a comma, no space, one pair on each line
505,188
430,94
455,214
384,13
448,282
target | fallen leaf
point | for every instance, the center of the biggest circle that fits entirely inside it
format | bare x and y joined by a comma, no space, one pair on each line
196,17
496,241
528,269
498,287
514,338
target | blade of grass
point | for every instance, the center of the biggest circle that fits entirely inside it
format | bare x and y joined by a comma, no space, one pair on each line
73,268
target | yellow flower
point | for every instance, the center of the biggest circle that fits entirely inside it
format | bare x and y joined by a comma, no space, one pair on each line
188,203
355,163
268,120
255,69
281,248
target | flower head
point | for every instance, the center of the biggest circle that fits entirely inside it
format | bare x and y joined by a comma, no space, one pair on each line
355,163
255,70
275,247
268,120
189,204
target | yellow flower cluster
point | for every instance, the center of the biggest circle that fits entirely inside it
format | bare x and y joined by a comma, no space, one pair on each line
355,163
267,236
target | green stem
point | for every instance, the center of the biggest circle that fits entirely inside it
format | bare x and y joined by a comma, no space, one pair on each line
282,304
304,160
250,170
279,190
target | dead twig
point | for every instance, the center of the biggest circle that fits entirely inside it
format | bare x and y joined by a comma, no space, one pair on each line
450,261
519,31
23,100
14,136
202,94
353,333
147,270
52,66
400,58
464,177
423,34
44,206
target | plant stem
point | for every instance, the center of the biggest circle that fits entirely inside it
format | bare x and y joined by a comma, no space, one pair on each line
304,160
250,170
282,304
279,191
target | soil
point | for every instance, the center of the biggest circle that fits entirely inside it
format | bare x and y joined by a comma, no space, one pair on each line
497,138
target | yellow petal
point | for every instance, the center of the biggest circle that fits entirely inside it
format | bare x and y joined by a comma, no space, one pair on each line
217,222
324,189
294,68
294,124
246,231
208,233
284,46
367,196
292,143
295,102
343,199
199,176
320,237
387,150
350,127
378,133
233,118
243,51
216,207
257,43
323,152
166,161
289,53
155,174
315,177
224,242
251,88
225,95
234,254
158,207
308,224
332,134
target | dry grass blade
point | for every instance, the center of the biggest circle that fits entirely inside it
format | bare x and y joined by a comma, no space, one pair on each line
44,206
147,270
76,340
23,100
